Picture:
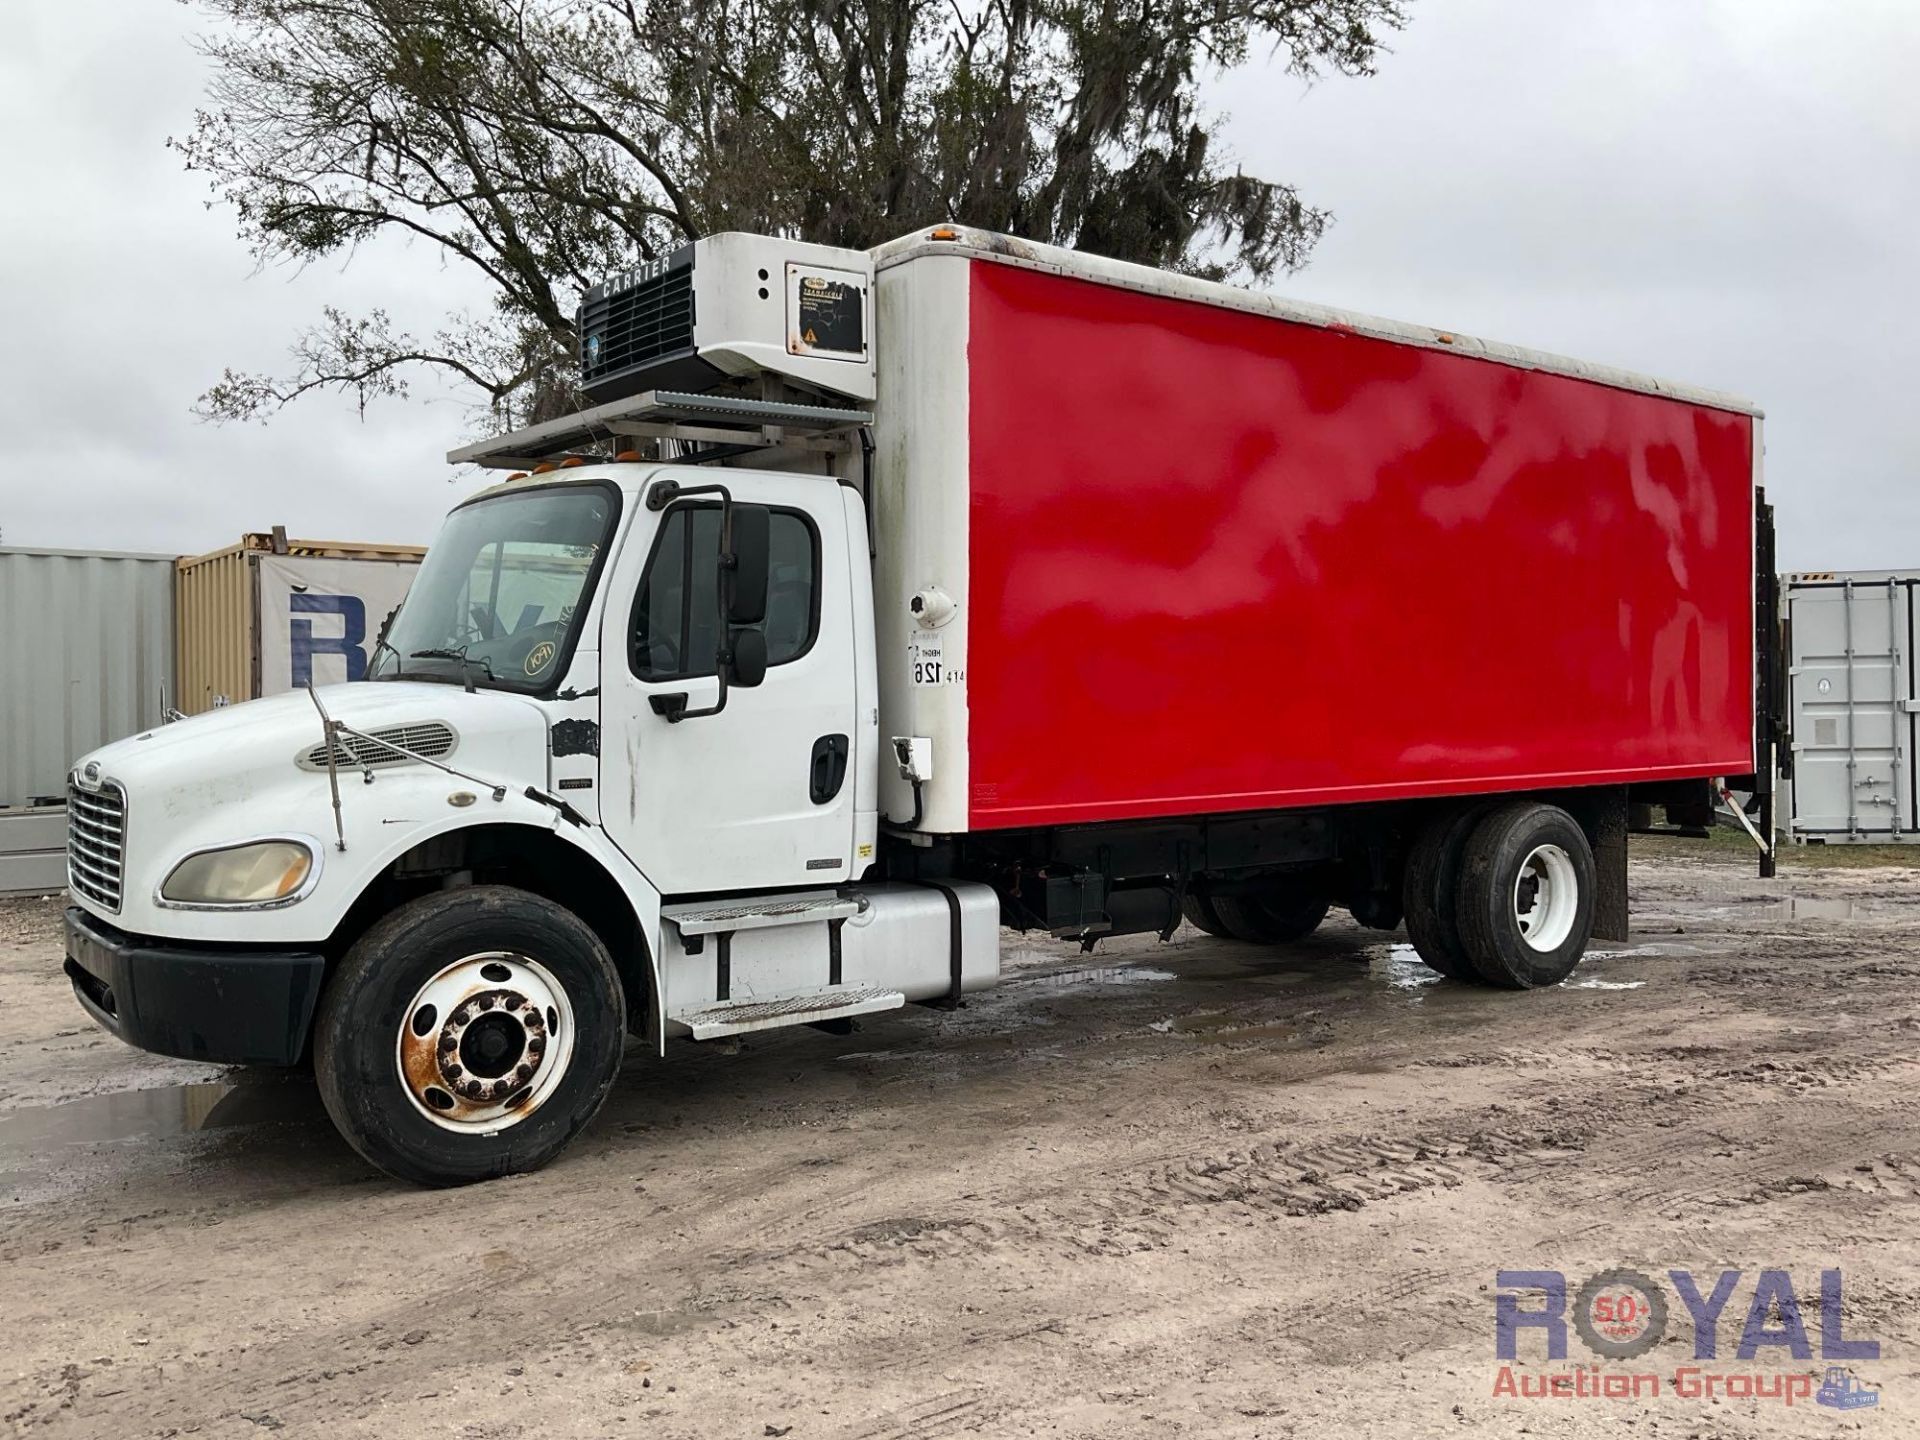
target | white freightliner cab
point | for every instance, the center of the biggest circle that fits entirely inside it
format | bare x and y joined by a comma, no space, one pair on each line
543,751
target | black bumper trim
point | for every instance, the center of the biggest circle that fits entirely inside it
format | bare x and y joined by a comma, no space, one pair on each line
228,1006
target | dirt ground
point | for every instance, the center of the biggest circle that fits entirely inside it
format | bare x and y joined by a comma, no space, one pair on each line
1196,1189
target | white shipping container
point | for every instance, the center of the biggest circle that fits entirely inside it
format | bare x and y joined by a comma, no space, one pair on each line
86,651
1854,707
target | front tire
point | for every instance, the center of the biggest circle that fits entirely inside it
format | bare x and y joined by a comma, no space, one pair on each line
1524,896
471,1033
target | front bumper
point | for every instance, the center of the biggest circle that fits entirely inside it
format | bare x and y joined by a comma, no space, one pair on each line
227,1005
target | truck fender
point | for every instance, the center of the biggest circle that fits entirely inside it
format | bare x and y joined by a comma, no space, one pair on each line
593,845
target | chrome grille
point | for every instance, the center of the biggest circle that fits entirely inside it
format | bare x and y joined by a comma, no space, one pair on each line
432,738
96,834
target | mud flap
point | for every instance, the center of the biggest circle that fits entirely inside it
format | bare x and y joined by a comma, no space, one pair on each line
1607,827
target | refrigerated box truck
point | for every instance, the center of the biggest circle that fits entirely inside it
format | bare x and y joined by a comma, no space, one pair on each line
883,599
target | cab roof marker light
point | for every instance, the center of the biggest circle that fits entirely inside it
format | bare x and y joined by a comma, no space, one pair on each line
570,462
545,467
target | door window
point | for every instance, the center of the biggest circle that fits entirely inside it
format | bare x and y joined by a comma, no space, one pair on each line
675,633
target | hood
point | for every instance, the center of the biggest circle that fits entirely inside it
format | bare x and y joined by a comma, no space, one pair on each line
227,755
246,773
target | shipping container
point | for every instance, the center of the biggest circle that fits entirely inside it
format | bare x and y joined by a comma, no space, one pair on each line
1854,706
261,616
86,656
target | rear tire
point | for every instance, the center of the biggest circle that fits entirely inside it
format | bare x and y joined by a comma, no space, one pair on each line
1433,872
1202,916
1278,917
469,1034
1524,895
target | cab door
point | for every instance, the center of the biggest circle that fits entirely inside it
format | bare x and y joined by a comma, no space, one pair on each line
762,793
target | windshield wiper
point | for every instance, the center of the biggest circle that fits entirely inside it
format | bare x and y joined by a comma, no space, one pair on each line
466,672
399,669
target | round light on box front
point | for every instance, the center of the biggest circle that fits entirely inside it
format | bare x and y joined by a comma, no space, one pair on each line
262,873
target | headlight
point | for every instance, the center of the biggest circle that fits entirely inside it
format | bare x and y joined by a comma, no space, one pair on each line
264,873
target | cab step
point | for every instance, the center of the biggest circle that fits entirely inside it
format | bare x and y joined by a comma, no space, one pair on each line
717,917
837,1002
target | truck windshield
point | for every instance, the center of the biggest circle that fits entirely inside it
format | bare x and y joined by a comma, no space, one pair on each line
500,591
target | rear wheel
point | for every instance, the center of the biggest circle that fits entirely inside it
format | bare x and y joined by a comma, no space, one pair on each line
1202,916
1433,871
1524,895
471,1033
1275,916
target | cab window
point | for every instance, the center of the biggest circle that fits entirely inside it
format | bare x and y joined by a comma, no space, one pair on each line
675,633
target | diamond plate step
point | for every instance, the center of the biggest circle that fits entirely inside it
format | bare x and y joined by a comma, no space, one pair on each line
711,917
737,1017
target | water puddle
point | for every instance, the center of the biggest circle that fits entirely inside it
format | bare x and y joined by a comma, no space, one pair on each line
1218,1028
1652,948
1806,907
155,1114
1605,984
1105,975
1194,1024
1400,966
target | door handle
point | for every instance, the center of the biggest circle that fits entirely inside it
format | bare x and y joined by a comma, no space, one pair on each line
827,771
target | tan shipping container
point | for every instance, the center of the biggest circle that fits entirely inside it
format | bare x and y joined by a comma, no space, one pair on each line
218,612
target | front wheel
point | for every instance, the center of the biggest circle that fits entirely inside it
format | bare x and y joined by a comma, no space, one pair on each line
471,1033
1524,895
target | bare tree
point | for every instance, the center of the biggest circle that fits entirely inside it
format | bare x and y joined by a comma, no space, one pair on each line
544,143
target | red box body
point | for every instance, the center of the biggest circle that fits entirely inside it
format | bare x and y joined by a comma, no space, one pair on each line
1222,561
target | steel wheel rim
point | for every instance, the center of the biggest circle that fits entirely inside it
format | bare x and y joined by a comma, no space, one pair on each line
485,1042
1546,898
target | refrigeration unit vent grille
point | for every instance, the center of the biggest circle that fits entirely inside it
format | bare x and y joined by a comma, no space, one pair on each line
634,327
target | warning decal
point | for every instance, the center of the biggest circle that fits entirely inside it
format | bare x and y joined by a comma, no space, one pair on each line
827,314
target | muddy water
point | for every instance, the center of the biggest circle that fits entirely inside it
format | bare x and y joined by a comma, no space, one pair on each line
158,1113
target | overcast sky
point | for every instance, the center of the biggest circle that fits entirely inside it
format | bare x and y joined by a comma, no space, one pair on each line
1725,192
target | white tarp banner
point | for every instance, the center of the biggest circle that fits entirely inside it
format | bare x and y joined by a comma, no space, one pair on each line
320,617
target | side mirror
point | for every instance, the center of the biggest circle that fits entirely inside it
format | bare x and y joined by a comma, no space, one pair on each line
749,664
746,579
